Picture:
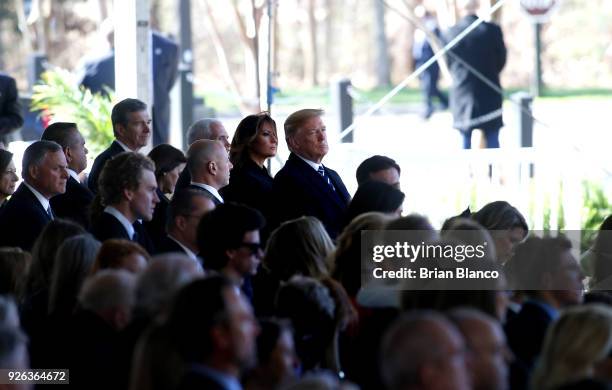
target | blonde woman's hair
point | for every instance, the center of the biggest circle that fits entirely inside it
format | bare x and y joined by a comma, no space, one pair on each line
299,247
579,338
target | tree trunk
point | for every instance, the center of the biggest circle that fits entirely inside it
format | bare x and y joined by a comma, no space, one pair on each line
312,36
383,69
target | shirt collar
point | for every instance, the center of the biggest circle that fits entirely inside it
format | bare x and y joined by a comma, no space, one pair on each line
124,146
313,164
210,189
227,381
44,202
129,228
73,174
188,251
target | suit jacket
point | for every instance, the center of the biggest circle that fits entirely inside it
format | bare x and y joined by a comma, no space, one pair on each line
299,190
195,379
250,185
156,227
74,203
525,334
484,50
167,245
113,150
165,56
10,110
107,226
22,219
206,192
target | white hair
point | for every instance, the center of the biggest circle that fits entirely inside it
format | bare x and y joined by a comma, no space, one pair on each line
109,288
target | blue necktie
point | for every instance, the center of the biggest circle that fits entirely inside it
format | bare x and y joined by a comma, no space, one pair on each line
50,213
325,177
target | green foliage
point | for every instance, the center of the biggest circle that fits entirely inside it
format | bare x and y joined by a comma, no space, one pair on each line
596,208
60,96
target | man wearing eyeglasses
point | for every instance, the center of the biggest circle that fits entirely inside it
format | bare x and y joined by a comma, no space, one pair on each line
229,242
132,130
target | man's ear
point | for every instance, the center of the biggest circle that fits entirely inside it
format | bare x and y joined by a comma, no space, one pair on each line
128,194
292,143
68,154
211,167
180,222
33,171
230,254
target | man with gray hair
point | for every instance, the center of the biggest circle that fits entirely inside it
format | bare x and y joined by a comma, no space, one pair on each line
486,342
206,128
94,340
424,350
44,172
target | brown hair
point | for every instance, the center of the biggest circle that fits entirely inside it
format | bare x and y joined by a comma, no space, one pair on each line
245,135
113,250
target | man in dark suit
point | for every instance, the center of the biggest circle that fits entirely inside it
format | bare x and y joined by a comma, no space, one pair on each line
74,203
476,105
421,53
101,73
10,110
209,166
127,190
184,213
132,129
549,274
215,336
45,174
304,186
206,128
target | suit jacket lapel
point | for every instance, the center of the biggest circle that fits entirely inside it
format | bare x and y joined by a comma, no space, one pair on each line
316,180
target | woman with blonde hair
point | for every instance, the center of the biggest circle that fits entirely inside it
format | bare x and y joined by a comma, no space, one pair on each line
297,247
576,346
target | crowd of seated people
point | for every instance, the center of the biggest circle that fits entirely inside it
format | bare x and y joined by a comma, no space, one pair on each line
197,269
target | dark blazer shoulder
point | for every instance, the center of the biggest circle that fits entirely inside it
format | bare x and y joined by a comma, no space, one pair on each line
106,226
113,150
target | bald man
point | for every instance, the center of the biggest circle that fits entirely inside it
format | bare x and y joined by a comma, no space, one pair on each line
209,166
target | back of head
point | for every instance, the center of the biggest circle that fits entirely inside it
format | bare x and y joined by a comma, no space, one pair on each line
35,154
200,129
297,119
124,171
166,158
121,110
62,133
13,348
73,263
44,251
309,306
183,203
375,196
224,228
500,215
372,165
164,276
14,263
193,318
200,153
299,247
414,340
113,251
580,338
108,289
468,7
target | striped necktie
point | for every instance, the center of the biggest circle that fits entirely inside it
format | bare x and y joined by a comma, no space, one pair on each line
50,213
325,177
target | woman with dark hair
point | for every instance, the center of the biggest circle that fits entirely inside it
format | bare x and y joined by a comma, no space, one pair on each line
506,225
169,162
375,196
8,176
254,141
